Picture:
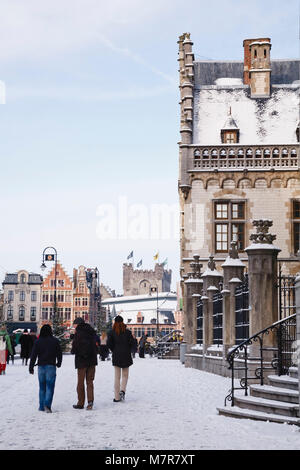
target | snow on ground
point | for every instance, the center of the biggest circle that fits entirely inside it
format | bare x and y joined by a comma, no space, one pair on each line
168,407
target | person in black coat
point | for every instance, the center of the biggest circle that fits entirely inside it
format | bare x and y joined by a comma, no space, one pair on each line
120,342
142,345
85,349
135,347
26,346
48,352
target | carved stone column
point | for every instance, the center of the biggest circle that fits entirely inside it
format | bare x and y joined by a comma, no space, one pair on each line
192,287
263,295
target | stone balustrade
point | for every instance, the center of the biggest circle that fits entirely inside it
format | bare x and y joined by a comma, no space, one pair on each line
239,157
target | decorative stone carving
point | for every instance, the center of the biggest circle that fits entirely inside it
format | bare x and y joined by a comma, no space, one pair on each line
262,234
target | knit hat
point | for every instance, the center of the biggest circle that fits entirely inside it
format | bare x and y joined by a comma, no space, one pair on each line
118,319
78,321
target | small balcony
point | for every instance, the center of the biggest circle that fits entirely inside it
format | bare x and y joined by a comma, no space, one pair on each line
238,157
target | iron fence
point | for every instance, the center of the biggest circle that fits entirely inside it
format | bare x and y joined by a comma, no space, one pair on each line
242,312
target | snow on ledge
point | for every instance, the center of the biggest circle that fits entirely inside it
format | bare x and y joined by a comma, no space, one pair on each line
226,81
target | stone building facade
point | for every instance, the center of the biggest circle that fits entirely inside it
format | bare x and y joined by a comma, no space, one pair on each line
139,281
22,300
238,156
64,295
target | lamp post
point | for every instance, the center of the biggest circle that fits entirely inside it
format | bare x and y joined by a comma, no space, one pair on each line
152,290
51,257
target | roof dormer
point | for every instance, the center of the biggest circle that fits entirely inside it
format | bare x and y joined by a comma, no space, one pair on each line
230,133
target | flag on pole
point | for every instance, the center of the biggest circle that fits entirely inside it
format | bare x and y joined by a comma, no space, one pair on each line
139,263
165,262
130,255
155,257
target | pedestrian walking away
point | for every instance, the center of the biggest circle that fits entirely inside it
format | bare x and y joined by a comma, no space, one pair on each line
85,349
5,348
103,349
134,349
142,345
26,343
120,342
48,352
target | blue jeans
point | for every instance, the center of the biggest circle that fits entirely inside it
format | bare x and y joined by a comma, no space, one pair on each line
47,377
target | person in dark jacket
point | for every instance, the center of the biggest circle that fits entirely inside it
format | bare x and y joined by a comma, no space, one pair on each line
26,346
85,349
142,345
120,342
48,352
134,348
103,349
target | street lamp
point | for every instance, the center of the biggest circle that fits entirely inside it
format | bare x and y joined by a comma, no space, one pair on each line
152,290
51,257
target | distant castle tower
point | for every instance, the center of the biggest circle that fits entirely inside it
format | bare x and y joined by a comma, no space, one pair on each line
139,281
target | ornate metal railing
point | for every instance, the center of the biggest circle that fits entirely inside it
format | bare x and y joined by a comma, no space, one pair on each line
166,344
284,332
207,158
242,311
200,322
218,318
286,295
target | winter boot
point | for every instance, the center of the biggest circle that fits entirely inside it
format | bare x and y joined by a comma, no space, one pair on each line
90,405
122,395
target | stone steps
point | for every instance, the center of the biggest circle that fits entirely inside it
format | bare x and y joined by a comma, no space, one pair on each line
267,406
284,381
235,412
275,393
276,402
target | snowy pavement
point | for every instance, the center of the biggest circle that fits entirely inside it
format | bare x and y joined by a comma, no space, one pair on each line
168,407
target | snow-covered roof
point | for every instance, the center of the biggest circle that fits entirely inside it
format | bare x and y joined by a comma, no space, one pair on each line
272,120
146,305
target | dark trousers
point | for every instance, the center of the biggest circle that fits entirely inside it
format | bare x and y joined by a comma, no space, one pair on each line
86,374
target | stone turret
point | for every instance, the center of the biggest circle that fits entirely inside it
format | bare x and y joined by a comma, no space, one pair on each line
186,86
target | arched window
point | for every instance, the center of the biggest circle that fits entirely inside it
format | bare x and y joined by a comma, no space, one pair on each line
284,153
205,153
294,153
21,313
214,154
223,153
22,278
249,153
267,153
10,313
240,153
275,153
258,153
197,154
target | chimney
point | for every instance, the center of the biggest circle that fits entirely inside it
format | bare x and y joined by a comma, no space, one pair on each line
257,66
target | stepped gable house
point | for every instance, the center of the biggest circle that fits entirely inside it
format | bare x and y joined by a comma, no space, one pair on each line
238,153
64,295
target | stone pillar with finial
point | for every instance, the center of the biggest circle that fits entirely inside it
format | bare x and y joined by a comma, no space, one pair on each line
233,269
211,284
263,295
192,290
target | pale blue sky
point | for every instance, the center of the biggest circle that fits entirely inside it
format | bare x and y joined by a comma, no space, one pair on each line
92,114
